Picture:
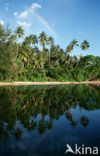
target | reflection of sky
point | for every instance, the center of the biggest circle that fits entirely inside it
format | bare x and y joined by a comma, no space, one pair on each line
62,133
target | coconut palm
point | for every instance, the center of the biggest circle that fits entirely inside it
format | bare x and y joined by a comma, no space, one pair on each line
50,43
85,45
75,43
19,34
43,40
71,46
35,40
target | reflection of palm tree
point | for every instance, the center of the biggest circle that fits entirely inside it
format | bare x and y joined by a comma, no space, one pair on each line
17,133
84,121
69,115
31,126
70,118
41,126
74,123
49,124
47,102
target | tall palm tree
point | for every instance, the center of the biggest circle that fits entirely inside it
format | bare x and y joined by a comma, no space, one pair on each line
50,43
26,41
26,51
19,34
71,46
75,43
33,41
43,40
85,45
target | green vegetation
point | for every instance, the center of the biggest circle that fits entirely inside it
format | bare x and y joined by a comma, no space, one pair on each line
35,58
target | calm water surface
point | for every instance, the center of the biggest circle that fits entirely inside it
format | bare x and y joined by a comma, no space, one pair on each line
41,120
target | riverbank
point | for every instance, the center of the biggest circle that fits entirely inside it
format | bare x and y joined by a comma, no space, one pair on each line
46,83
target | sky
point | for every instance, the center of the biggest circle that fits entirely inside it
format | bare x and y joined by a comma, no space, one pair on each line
65,20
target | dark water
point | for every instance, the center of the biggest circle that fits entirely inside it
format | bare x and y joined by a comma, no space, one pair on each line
41,120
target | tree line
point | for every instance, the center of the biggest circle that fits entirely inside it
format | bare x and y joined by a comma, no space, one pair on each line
37,58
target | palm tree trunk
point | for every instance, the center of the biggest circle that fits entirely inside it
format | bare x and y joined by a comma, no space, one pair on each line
49,56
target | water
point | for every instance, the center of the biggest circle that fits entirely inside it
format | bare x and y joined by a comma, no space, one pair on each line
41,120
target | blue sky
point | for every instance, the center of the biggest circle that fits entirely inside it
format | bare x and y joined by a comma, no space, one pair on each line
63,19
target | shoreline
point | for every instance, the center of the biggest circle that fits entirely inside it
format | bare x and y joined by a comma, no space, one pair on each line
46,83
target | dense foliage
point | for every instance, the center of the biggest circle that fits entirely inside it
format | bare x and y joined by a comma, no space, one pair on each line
39,59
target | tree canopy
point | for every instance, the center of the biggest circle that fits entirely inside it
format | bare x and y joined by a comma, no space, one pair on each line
37,58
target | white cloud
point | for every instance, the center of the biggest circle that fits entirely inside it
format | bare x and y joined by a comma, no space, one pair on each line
15,13
23,14
1,22
35,6
24,24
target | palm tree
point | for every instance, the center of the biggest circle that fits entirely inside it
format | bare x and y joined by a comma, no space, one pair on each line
43,40
71,46
35,40
57,51
26,41
50,43
60,56
75,43
19,34
26,51
85,45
